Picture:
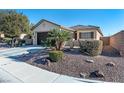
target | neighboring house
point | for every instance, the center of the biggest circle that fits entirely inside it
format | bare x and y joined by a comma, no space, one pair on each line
22,36
41,29
27,38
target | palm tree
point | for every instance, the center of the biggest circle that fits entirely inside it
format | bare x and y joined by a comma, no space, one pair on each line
59,37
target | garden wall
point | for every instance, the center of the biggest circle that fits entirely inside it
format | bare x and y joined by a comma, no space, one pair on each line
117,41
106,40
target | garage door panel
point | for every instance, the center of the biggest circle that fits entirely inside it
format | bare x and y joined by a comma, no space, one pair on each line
41,36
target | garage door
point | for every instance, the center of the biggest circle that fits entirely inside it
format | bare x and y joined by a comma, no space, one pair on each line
41,37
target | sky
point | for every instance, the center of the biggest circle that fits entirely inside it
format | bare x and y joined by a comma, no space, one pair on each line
110,21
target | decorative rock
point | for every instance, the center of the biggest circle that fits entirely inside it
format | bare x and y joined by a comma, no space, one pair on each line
96,74
48,62
30,52
43,60
71,49
82,75
111,64
67,50
89,61
23,55
122,53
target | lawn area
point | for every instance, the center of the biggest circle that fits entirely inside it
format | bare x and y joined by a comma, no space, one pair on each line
75,64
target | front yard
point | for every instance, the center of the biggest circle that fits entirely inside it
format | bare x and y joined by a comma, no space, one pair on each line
75,64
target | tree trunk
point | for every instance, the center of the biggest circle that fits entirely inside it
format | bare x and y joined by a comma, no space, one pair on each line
57,45
61,45
12,43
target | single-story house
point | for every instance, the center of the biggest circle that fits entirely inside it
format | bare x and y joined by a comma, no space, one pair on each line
27,38
41,29
87,32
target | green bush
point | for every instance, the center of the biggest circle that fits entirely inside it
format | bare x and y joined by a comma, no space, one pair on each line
20,42
91,47
56,55
7,40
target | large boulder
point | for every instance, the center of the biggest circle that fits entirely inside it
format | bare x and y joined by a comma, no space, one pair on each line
96,74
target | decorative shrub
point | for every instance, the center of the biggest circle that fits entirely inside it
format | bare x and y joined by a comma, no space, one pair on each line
7,40
91,47
59,37
56,55
20,42
76,43
72,43
47,43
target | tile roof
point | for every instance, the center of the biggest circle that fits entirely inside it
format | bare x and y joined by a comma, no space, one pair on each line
66,28
73,28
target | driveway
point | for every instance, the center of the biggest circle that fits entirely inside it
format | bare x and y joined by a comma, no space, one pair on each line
14,71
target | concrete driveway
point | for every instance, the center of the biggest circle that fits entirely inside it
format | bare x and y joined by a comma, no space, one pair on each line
14,71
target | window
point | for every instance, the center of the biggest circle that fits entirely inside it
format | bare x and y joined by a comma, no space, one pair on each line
86,35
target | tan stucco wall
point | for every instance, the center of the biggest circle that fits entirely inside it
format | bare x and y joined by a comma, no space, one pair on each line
106,40
117,41
43,27
97,35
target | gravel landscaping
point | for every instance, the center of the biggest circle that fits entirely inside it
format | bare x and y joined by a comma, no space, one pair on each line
107,67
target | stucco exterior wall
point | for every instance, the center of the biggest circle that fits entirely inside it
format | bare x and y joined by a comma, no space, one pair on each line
98,35
117,41
106,40
43,27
